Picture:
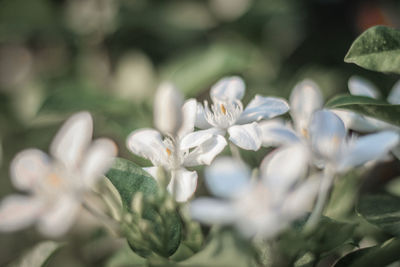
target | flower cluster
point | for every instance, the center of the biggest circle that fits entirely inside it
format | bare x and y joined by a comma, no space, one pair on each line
306,153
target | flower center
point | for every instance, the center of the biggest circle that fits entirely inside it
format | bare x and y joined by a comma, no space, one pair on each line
223,114
223,109
168,152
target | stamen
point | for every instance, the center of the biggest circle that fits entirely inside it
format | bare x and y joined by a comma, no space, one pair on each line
168,151
223,109
54,179
304,132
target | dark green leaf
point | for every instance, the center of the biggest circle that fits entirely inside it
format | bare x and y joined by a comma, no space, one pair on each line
376,256
38,256
367,106
382,210
378,48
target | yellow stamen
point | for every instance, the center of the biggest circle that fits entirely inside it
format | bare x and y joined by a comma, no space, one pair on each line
168,151
223,109
304,132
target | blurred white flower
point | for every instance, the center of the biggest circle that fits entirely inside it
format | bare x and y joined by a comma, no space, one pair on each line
227,114
179,146
330,143
263,207
56,185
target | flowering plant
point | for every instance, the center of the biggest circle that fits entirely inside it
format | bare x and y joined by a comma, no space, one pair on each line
199,199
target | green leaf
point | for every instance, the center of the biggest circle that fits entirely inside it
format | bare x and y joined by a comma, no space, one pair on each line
157,229
129,179
376,256
367,106
378,49
224,249
382,210
38,256
125,257
327,236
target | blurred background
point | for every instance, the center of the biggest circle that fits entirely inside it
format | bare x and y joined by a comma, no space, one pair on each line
108,56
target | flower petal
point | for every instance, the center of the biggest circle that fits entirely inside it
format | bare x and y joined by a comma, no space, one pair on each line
189,113
18,212
196,138
212,211
28,168
206,151
168,103
201,121
304,100
263,108
98,160
394,95
362,87
367,148
284,167
246,136
183,184
227,177
228,89
359,122
327,133
73,139
275,133
59,217
148,143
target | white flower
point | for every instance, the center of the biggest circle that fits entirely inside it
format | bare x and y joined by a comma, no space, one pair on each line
56,185
329,142
178,148
262,207
227,114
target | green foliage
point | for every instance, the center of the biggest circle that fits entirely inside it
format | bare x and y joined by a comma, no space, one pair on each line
367,106
376,256
378,49
38,256
150,223
381,210
125,257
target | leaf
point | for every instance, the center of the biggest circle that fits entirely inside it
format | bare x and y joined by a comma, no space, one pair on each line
130,179
376,256
367,106
38,256
155,230
378,49
327,236
125,257
382,210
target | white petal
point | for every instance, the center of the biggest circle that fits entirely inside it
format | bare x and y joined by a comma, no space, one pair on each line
263,108
205,153
394,95
247,136
189,113
28,168
327,133
98,160
228,89
276,134
227,177
304,100
168,103
359,122
73,139
362,87
300,201
196,138
201,121
284,167
148,143
59,217
183,184
18,212
212,211
367,148
152,171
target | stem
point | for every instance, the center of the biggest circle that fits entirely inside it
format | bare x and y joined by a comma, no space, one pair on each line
323,194
235,151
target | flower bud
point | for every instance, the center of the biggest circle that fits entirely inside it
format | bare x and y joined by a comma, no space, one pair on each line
168,109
